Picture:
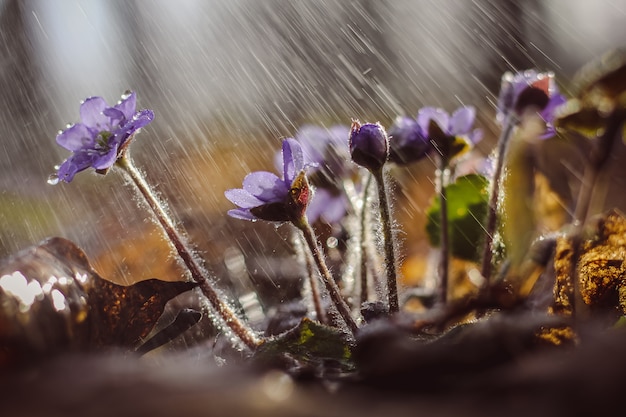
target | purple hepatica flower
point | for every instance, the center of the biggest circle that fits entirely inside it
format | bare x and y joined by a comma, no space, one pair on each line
327,205
102,136
530,89
408,142
265,196
450,135
326,152
548,114
369,145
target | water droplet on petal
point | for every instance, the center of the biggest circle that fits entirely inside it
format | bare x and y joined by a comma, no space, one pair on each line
53,179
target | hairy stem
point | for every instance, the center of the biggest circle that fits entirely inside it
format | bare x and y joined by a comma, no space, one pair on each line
329,281
316,298
390,256
494,196
365,231
444,258
198,274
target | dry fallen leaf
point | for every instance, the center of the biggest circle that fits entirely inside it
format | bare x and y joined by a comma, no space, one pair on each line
52,300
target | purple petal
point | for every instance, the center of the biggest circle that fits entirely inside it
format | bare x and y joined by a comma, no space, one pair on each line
67,171
335,210
548,114
121,114
243,214
317,204
462,120
265,186
426,114
76,137
313,140
403,130
340,136
80,161
91,113
115,116
293,159
548,133
242,198
141,118
138,121
475,136
555,102
329,207
104,161
127,105
407,142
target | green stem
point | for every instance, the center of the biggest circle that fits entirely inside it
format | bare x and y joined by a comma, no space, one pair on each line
492,214
327,279
390,257
198,274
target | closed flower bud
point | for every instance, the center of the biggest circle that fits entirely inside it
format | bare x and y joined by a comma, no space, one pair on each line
369,145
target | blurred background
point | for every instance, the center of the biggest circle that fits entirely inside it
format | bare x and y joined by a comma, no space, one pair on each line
227,80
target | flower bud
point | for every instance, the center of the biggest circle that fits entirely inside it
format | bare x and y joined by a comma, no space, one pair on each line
369,145
523,90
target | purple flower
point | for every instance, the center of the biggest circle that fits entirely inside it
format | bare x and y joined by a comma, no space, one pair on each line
326,150
548,114
102,136
450,135
408,141
328,205
265,196
369,145
326,153
530,89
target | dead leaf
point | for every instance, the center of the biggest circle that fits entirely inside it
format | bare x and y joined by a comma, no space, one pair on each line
52,300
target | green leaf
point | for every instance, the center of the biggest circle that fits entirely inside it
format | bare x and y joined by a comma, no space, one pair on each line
620,323
467,209
310,342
